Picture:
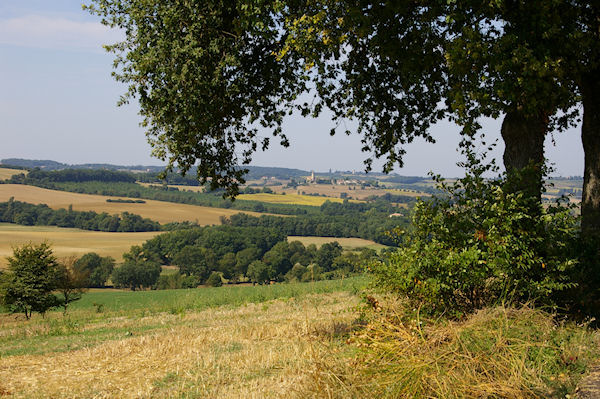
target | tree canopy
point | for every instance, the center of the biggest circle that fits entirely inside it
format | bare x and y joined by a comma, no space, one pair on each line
209,74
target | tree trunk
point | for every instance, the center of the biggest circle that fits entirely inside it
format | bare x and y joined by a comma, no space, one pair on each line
524,153
590,136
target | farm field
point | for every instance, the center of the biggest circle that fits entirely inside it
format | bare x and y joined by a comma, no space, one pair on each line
346,243
291,199
193,189
233,342
160,211
7,173
67,242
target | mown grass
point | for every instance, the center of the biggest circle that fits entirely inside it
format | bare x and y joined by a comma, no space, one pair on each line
85,324
234,342
496,353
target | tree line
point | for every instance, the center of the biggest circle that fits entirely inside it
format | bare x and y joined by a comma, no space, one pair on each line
41,215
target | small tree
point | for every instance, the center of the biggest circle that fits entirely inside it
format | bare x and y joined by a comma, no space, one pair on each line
136,274
259,272
31,279
70,282
98,268
214,280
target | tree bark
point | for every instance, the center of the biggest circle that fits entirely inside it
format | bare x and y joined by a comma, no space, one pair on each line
590,136
524,152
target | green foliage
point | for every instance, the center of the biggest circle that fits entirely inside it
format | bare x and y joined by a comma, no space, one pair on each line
98,268
136,274
214,280
70,282
480,245
42,215
260,272
31,279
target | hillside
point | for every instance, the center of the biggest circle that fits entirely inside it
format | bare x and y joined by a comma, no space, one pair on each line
162,212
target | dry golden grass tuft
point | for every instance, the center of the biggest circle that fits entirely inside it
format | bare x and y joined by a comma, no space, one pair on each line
495,353
254,351
160,211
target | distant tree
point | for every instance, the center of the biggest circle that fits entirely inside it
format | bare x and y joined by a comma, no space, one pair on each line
227,265
31,279
244,258
259,272
278,258
97,268
136,274
327,254
296,273
196,261
214,280
70,282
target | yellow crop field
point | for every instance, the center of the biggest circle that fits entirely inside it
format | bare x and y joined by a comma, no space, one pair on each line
68,242
346,243
7,173
160,211
290,199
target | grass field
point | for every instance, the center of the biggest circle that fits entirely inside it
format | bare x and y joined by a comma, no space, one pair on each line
346,243
228,342
159,211
7,173
67,242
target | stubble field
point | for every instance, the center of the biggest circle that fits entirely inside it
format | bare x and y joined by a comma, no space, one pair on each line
266,347
160,211
69,242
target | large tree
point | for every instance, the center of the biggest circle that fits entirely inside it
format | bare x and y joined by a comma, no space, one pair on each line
208,74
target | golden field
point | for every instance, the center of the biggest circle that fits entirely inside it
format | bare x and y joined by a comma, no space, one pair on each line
346,243
160,211
264,350
68,242
7,173
193,189
291,199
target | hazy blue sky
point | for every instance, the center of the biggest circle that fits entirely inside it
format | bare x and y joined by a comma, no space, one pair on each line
58,101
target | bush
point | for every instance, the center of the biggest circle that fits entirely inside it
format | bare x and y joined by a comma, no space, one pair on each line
480,245
214,280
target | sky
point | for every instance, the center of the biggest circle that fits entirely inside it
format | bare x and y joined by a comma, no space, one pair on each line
58,101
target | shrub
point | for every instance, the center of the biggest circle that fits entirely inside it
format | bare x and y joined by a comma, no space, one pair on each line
479,245
214,280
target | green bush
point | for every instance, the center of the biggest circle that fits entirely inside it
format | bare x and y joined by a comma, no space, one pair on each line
479,245
214,280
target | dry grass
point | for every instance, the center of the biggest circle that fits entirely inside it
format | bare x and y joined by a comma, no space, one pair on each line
495,353
346,243
67,242
7,173
254,351
162,212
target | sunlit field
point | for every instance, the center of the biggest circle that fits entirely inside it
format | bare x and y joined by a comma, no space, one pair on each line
346,243
228,342
7,173
160,211
69,242
292,199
